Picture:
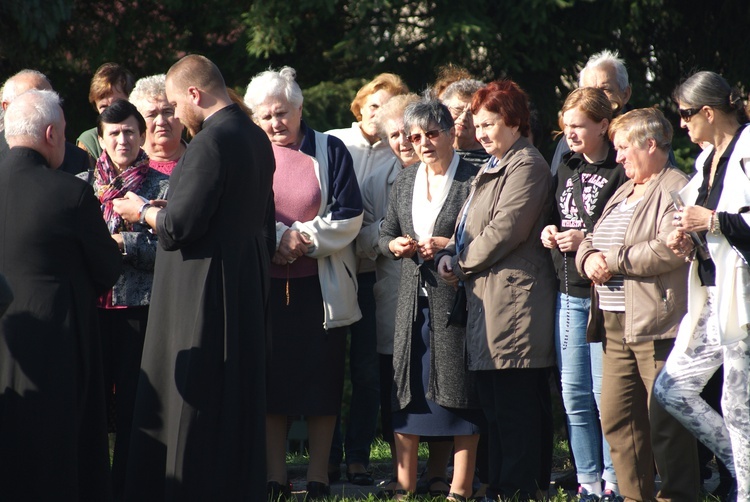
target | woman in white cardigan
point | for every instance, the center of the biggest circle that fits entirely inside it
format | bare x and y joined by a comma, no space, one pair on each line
715,329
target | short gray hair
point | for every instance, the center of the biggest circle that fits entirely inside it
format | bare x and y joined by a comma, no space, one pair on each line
641,124
707,88
148,89
426,112
464,89
275,84
10,87
30,113
607,58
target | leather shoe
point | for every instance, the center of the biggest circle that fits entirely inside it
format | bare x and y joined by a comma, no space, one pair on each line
317,490
360,478
278,492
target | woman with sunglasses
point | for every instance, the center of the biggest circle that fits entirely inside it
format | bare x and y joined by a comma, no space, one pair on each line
510,291
434,392
715,329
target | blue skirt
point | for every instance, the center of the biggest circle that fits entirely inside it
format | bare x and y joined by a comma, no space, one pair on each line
422,416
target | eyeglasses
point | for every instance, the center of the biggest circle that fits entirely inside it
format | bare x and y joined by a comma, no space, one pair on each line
456,111
417,138
686,113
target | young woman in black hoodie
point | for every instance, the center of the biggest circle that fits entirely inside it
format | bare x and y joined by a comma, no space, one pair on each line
586,178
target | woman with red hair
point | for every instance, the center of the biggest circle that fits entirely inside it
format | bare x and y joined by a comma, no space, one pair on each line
510,289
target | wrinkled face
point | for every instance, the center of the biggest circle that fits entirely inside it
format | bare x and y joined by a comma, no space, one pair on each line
697,125
634,159
583,134
122,142
184,109
604,77
492,132
117,93
162,128
436,150
370,110
401,146
464,121
280,120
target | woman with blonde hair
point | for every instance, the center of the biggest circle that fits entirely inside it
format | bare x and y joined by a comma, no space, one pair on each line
585,180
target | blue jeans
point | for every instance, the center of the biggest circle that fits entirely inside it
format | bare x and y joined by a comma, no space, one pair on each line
364,366
580,365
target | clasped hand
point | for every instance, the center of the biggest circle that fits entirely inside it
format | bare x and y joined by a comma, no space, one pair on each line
293,245
567,241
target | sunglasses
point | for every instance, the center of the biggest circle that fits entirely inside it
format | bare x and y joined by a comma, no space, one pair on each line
685,114
417,138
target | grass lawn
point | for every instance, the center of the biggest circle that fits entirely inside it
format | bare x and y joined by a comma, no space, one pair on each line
381,464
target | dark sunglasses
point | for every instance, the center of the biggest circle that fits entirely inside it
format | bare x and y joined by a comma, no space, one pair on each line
685,114
417,138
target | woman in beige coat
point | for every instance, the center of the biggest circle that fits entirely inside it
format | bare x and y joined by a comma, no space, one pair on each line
639,299
510,290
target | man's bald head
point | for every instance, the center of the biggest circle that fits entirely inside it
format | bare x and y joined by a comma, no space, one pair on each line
21,82
196,71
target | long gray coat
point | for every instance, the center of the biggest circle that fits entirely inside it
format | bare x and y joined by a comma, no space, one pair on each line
450,384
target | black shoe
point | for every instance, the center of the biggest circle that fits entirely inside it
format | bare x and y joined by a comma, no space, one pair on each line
568,480
360,478
317,490
278,492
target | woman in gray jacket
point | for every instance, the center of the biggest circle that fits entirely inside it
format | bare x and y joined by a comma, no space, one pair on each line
434,391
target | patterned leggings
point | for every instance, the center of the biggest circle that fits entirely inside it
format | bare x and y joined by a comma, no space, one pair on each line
680,383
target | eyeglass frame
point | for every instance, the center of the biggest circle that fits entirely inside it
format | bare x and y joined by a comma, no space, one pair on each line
432,134
687,113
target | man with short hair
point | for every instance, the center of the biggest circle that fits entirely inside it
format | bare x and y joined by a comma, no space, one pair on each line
604,70
199,420
457,97
75,161
58,257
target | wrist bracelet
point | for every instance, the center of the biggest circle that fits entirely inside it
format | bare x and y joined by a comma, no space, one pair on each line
142,213
714,226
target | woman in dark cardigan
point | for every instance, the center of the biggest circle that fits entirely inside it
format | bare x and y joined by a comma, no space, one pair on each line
434,391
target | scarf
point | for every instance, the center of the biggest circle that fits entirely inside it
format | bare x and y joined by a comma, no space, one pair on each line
109,185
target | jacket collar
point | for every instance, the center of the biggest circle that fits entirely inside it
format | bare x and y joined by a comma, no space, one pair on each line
653,185
494,165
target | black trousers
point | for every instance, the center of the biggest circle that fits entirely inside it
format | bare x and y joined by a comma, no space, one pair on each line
517,405
123,332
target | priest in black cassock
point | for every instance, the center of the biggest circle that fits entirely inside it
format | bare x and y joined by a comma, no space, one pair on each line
199,420
58,256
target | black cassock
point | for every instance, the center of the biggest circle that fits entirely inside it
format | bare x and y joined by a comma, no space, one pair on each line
199,420
57,256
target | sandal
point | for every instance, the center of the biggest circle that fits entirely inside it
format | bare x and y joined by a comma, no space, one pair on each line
391,494
438,492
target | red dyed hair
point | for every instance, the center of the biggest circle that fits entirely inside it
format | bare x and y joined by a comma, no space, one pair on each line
506,98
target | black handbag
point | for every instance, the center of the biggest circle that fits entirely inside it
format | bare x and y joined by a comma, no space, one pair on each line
458,313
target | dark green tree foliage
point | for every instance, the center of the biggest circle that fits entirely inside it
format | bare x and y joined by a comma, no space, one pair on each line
539,43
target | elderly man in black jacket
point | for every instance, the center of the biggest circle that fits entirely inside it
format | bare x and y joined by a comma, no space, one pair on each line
58,256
